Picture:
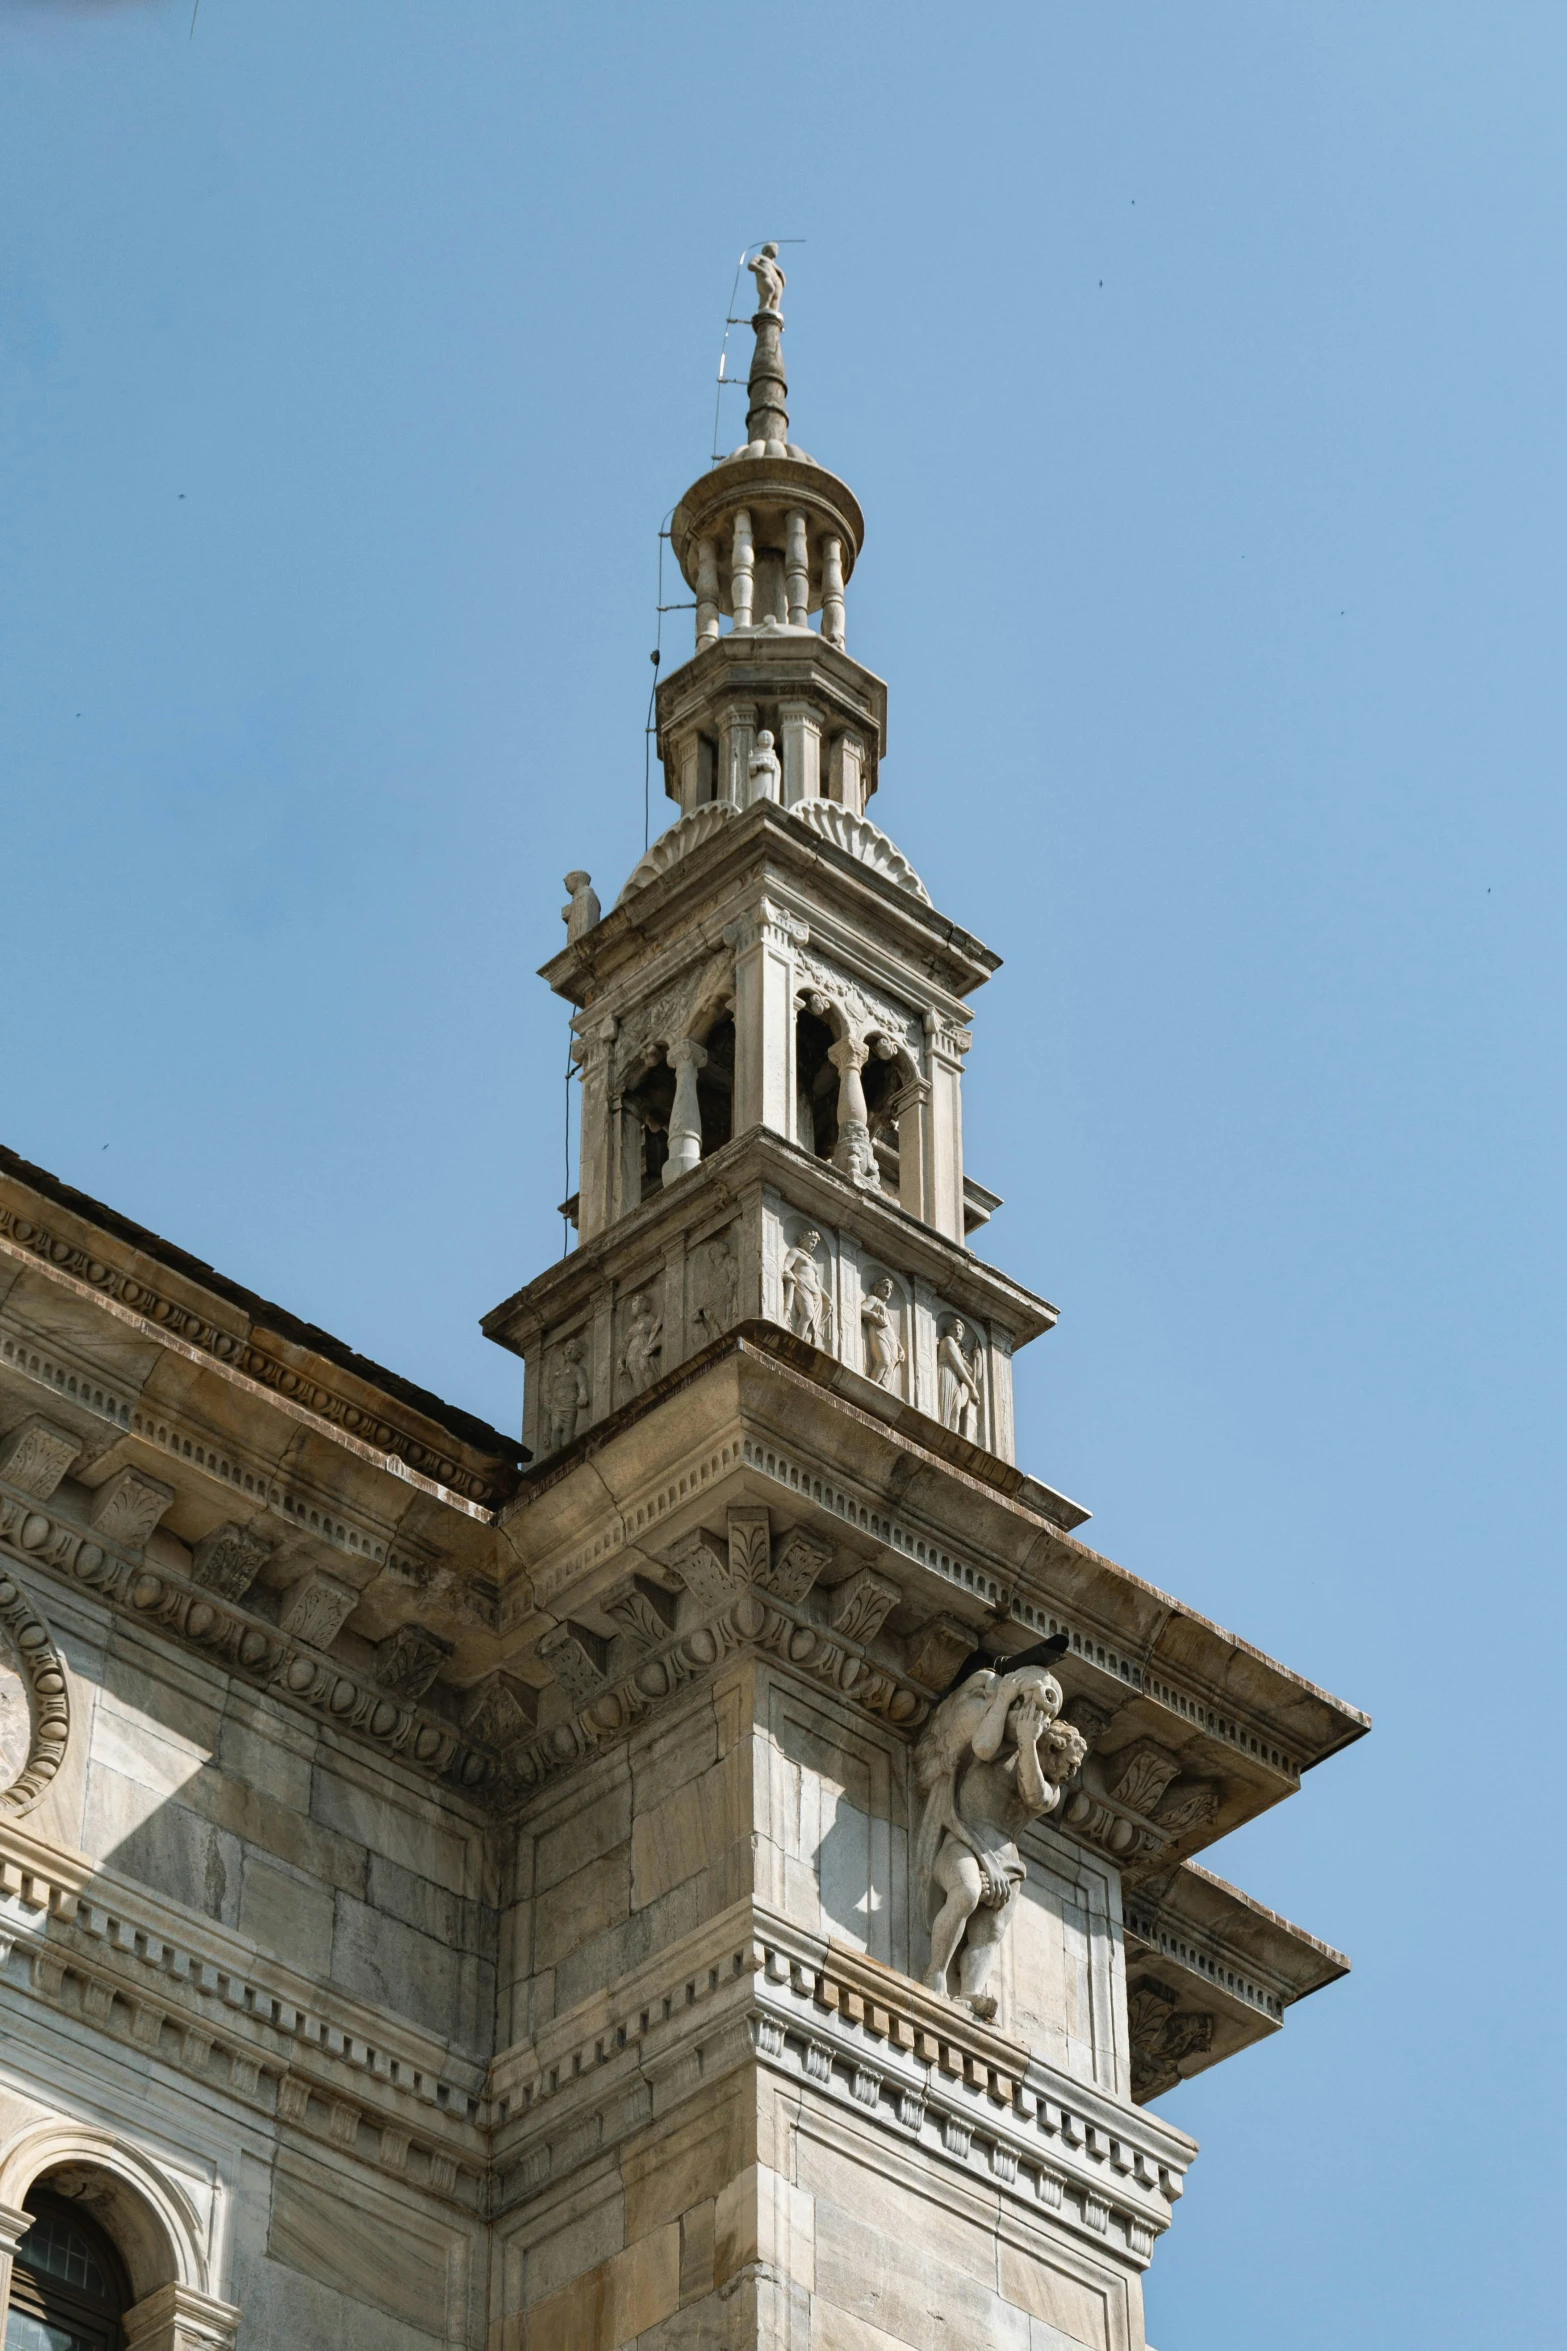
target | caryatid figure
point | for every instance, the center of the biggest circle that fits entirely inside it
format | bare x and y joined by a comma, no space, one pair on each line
991,1761
770,279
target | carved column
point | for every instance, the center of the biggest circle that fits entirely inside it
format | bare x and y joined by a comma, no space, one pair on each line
801,726
912,1113
737,740
832,592
852,1154
596,1157
797,580
686,1057
706,593
764,943
946,1048
742,569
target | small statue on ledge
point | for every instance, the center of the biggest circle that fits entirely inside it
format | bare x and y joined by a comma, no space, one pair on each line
991,1761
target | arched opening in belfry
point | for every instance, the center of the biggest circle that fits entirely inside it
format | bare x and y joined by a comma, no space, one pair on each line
648,1104
816,1085
715,1085
69,2283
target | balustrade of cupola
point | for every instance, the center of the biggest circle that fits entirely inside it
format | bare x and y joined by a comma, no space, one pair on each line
762,583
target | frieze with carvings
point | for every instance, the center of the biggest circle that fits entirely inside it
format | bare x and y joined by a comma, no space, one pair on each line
866,1010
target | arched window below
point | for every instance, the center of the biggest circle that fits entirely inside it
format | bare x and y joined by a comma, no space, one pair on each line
69,2290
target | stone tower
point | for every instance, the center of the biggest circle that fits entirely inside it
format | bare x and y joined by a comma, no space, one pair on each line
720,1876
856,1915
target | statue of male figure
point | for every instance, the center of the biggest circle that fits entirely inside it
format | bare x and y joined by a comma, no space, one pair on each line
804,1299
992,1760
770,279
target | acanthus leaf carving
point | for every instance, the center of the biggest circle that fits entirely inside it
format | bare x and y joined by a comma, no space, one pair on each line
37,1455
409,1659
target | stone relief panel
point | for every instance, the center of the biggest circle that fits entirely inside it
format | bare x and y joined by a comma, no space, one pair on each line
865,1010
886,1330
1057,1973
639,1341
807,1271
836,1828
714,1278
961,1364
565,1390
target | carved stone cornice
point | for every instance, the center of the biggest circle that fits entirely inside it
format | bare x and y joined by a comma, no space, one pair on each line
287,1666
169,1319
857,2036
753,1619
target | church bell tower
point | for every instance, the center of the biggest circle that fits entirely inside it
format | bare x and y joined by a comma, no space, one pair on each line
854,1924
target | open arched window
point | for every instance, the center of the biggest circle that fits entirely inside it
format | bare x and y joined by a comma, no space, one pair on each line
69,2288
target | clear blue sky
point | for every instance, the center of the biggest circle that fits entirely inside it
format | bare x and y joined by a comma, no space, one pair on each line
1201,371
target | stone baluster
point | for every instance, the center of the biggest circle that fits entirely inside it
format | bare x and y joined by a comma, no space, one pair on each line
742,569
686,1057
706,593
832,592
852,1154
798,571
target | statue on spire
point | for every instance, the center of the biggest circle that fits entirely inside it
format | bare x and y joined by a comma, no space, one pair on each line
770,279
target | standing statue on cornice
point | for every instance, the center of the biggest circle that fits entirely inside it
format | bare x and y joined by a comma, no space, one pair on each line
770,279
991,1761
806,1309
959,1375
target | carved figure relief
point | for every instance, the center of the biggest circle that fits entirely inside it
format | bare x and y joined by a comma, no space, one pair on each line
1163,2036
567,1394
639,1358
992,1760
884,1351
713,1285
806,1306
959,1379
